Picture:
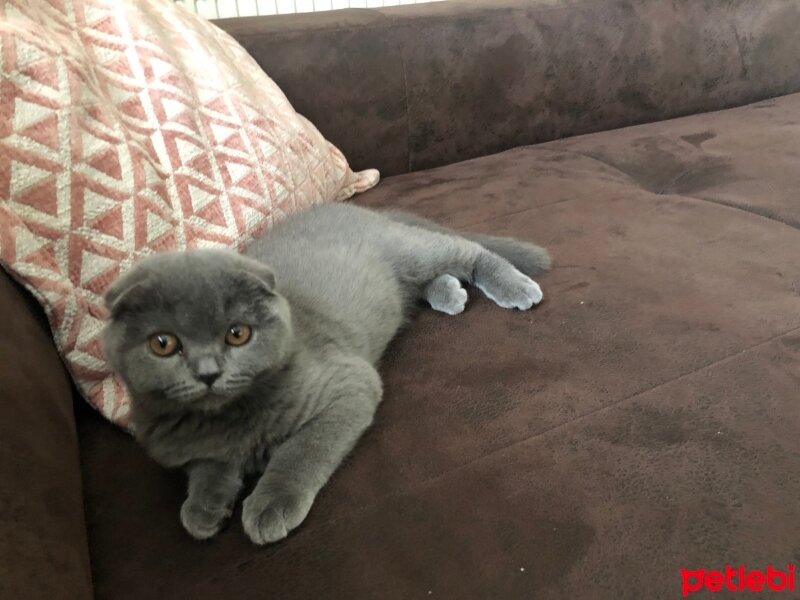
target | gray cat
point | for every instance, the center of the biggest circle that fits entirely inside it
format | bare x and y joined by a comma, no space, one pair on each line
235,367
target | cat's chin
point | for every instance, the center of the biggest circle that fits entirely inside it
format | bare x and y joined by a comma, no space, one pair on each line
205,400
210,401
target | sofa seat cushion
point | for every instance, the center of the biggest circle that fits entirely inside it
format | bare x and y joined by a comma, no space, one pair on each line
642,420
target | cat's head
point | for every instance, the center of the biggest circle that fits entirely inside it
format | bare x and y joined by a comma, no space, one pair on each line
192,330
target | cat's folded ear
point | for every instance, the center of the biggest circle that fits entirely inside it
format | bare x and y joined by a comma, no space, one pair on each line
126,293
259,273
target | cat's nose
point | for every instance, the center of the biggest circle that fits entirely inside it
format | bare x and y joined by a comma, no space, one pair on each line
207,370
208,378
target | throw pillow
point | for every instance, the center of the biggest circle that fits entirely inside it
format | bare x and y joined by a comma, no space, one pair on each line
129,127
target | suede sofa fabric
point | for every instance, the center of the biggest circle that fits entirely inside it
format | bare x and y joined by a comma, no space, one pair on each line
407,88
642,420
44,552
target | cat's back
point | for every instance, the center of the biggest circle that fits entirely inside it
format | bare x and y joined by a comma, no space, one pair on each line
326,263
326,243
324,223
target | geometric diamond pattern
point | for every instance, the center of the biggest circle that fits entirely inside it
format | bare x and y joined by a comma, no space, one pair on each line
129,127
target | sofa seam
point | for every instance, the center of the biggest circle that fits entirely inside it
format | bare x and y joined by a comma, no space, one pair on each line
464,227
768,215
664,192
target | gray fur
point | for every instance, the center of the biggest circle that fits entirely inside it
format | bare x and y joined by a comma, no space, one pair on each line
293,401
446,295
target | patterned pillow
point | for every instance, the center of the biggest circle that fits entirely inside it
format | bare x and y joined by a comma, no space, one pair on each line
129,127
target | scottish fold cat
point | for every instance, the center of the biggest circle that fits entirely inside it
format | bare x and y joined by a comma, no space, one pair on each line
264,363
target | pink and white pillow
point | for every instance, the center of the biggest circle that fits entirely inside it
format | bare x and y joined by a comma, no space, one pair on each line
129,127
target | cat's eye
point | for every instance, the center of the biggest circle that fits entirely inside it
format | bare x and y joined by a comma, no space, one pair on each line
238,334
164,344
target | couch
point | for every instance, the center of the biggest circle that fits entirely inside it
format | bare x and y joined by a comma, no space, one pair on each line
643,420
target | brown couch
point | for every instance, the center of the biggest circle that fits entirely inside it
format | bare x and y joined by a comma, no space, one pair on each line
644,419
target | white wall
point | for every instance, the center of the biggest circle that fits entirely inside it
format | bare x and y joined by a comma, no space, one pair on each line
213,9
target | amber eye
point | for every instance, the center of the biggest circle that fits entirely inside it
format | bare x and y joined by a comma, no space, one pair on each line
237,334
164,344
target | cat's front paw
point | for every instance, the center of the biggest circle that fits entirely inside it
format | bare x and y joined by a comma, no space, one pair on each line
201,521
269,517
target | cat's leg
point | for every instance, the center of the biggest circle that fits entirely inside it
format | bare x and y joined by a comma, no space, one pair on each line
502,283
446,295
213,488
529,258
419,256
299,467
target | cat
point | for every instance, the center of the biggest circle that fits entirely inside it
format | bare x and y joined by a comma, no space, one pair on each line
264,363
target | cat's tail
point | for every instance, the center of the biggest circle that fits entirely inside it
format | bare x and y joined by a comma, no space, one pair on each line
529,258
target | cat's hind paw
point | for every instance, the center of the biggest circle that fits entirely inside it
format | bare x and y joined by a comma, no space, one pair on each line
446,295
513,291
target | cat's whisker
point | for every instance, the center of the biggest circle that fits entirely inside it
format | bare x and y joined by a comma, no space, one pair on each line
187,393
177,387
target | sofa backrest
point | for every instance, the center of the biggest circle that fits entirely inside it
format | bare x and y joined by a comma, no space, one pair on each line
414,87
